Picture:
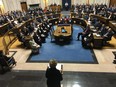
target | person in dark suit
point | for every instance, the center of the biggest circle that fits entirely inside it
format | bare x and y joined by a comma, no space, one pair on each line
37,39
53,75
108,34
98,25
86,42
66,6
103,30
84,33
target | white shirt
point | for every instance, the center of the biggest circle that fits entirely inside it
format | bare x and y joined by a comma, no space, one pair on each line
66,4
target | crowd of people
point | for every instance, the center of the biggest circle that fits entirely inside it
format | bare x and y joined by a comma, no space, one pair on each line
84,11
16,17
104,31
35,29
65,20
100,9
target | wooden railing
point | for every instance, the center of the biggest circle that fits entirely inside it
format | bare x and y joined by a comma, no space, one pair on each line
10,36
8,40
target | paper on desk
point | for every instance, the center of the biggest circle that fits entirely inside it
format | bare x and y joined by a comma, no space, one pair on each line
97,34
114,23
59,66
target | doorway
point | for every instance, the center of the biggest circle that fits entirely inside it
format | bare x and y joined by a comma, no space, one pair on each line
24,6
63,4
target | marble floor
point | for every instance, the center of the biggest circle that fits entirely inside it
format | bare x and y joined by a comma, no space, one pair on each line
26,74
104,57
36,78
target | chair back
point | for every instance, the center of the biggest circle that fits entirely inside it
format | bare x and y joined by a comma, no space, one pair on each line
109,37
3,62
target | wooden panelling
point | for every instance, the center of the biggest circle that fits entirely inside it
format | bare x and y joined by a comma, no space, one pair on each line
112,3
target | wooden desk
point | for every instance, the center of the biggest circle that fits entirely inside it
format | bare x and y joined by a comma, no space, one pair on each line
55,8
102,19
3,29
112,24
54,21
97,41
61,36
80,21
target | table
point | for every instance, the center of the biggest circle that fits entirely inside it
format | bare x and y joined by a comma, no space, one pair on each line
59,35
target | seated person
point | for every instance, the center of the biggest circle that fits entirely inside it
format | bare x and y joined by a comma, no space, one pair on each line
98,24
21,38
103,30
84,33
66,19
63,30
61,21
86,16
37,38
93,20
86,42
108,34
15,21
33,44
25,31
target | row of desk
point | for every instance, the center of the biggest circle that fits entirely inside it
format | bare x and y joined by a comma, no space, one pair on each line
104,20
55,8
4,28
7,42
57,33
10,36
98,40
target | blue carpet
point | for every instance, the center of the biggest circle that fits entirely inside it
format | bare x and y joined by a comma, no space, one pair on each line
67,53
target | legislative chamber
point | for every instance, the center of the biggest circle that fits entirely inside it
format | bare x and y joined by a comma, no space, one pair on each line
77,38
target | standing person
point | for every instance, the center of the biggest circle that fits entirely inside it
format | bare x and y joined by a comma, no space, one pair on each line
66,6
53,75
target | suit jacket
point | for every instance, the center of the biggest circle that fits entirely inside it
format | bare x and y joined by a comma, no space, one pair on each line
54,77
